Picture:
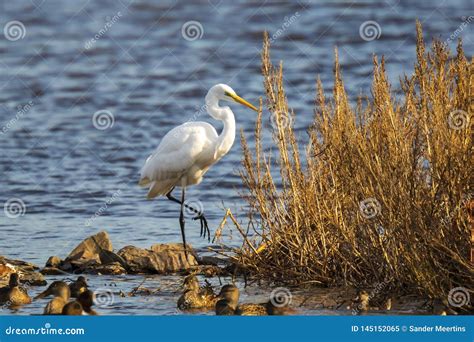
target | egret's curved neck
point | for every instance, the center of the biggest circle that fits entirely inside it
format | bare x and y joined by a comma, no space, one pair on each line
224,114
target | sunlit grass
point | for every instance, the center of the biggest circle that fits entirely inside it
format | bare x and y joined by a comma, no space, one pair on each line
378,192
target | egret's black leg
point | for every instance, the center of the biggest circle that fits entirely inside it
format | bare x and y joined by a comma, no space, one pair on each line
181,223
200,216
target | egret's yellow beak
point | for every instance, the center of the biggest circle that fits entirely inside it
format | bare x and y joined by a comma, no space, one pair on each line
240,100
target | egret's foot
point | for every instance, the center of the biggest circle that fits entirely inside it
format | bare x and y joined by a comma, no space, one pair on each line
204,227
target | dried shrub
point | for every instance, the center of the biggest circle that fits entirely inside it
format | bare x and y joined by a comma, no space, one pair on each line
378,191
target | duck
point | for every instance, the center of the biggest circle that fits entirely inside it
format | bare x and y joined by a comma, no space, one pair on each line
61,293
14,294
195,296
228,304
51,289
251,310
364,300
73,308
86,299
78,286
264,309
278,310
82,305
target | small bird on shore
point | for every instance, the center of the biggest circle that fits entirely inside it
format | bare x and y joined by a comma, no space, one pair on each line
78,286
195,296
61,292
186,153
14,294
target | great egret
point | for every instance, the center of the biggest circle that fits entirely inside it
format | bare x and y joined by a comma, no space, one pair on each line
188,151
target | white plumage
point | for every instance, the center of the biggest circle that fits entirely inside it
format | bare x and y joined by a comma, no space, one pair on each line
186,152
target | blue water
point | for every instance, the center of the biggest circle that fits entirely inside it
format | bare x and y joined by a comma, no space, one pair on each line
140,68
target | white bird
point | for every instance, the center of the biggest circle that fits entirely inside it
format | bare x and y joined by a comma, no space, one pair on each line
186,153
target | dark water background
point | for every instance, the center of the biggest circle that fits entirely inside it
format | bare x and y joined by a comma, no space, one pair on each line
143,71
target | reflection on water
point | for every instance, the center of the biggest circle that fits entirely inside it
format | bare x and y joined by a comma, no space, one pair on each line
145,68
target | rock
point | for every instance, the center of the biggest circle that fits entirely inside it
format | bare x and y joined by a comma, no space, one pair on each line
6,270
54,261
114,268
90,248
108,257
28,271
161,258
212,260
139,260
24,266
209,271
80,265
173,257
33,279
53,271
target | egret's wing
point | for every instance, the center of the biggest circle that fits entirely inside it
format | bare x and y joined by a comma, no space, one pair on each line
175,155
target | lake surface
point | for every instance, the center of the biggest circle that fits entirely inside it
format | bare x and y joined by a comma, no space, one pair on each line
141,70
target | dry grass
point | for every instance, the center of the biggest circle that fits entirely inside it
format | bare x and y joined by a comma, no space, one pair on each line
377,193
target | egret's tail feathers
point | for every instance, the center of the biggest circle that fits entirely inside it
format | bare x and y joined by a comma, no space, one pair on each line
160,188
144,181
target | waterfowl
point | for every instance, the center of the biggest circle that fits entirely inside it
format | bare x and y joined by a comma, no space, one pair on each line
274,310
229,305
51,289
78,286
251,310
61,293
86,299
195,296
14,294
365,302
73,308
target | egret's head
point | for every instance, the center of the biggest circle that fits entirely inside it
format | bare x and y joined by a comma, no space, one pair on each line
225,93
